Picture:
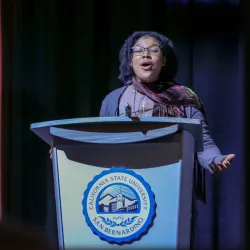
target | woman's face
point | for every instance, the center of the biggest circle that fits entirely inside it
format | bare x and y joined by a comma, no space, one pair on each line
147,64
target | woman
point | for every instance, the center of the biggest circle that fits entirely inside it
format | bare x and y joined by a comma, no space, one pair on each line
148,66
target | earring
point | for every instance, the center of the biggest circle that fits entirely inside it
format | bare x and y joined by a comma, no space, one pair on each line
131,64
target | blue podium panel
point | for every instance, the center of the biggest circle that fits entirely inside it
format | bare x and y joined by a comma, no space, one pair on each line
124,195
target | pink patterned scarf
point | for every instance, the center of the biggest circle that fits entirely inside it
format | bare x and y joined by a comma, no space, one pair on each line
169,98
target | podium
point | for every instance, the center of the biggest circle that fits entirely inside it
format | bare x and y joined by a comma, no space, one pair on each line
123,182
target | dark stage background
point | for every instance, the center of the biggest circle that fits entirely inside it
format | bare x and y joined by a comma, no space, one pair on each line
60,58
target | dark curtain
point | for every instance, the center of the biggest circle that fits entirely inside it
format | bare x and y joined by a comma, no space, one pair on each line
60,58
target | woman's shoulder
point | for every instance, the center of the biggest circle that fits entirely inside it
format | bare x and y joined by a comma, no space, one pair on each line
185,96
183,89
115,93
110,102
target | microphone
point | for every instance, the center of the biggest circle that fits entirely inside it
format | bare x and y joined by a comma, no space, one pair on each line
127,110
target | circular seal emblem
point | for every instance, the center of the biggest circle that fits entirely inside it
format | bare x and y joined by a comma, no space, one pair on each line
119,206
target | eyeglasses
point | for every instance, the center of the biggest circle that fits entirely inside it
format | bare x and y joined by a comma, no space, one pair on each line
152,50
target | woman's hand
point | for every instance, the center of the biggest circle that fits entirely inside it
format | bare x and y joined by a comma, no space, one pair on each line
223,165
51,149
50,153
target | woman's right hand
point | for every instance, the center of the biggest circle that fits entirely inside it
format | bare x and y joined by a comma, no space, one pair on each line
50,153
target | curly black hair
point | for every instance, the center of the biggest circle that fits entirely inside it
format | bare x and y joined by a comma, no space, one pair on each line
126,71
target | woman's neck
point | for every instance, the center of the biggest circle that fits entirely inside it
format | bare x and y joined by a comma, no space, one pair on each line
154,86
